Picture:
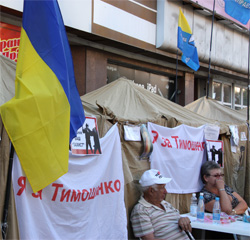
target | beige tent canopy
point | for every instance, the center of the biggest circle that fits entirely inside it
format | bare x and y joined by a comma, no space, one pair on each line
7,82
243,111
212,109
239,161
123,102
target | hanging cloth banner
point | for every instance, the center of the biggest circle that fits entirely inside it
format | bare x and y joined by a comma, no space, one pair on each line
178,153
85,203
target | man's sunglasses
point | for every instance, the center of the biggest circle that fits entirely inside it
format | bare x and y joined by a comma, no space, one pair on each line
216,175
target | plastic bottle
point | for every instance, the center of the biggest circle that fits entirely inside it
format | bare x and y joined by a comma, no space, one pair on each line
216,211
193,205
200,209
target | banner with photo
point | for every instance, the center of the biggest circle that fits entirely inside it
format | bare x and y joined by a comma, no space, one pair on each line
178,153
87,140
215,151
85,203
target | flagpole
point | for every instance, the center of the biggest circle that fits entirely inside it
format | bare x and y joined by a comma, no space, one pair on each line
248,77
176,78
211,40
4,224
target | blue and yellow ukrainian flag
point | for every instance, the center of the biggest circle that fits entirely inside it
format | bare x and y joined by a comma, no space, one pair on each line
46,111
186,43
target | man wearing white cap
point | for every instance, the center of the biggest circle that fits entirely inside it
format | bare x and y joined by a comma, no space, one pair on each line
153,217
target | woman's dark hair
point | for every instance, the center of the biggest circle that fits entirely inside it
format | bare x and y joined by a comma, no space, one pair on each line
206,167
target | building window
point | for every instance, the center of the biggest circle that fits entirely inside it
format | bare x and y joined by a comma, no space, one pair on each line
240,97
227,93
162,85
234,97
217,91
237,96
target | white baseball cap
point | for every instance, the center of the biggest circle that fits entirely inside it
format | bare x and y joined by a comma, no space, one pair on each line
151,177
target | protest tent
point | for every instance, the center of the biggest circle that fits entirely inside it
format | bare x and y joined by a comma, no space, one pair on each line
123,102
212,109
238,161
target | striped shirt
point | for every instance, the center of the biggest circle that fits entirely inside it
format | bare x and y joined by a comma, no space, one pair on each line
147,218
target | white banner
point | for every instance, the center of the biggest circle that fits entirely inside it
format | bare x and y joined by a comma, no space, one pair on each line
178,153
85,203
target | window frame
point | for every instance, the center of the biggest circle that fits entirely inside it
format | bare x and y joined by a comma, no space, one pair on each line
233,105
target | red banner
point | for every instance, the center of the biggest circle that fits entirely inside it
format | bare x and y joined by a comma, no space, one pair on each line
9,41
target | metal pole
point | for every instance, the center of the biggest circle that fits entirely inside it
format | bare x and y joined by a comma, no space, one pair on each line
4,224
176,78
211,40
248,87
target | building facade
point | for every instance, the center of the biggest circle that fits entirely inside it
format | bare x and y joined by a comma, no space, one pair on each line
137,39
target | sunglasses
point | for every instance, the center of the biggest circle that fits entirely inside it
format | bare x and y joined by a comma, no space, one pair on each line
216,175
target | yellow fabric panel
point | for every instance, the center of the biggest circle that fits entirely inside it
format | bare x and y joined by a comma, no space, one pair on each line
183,23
